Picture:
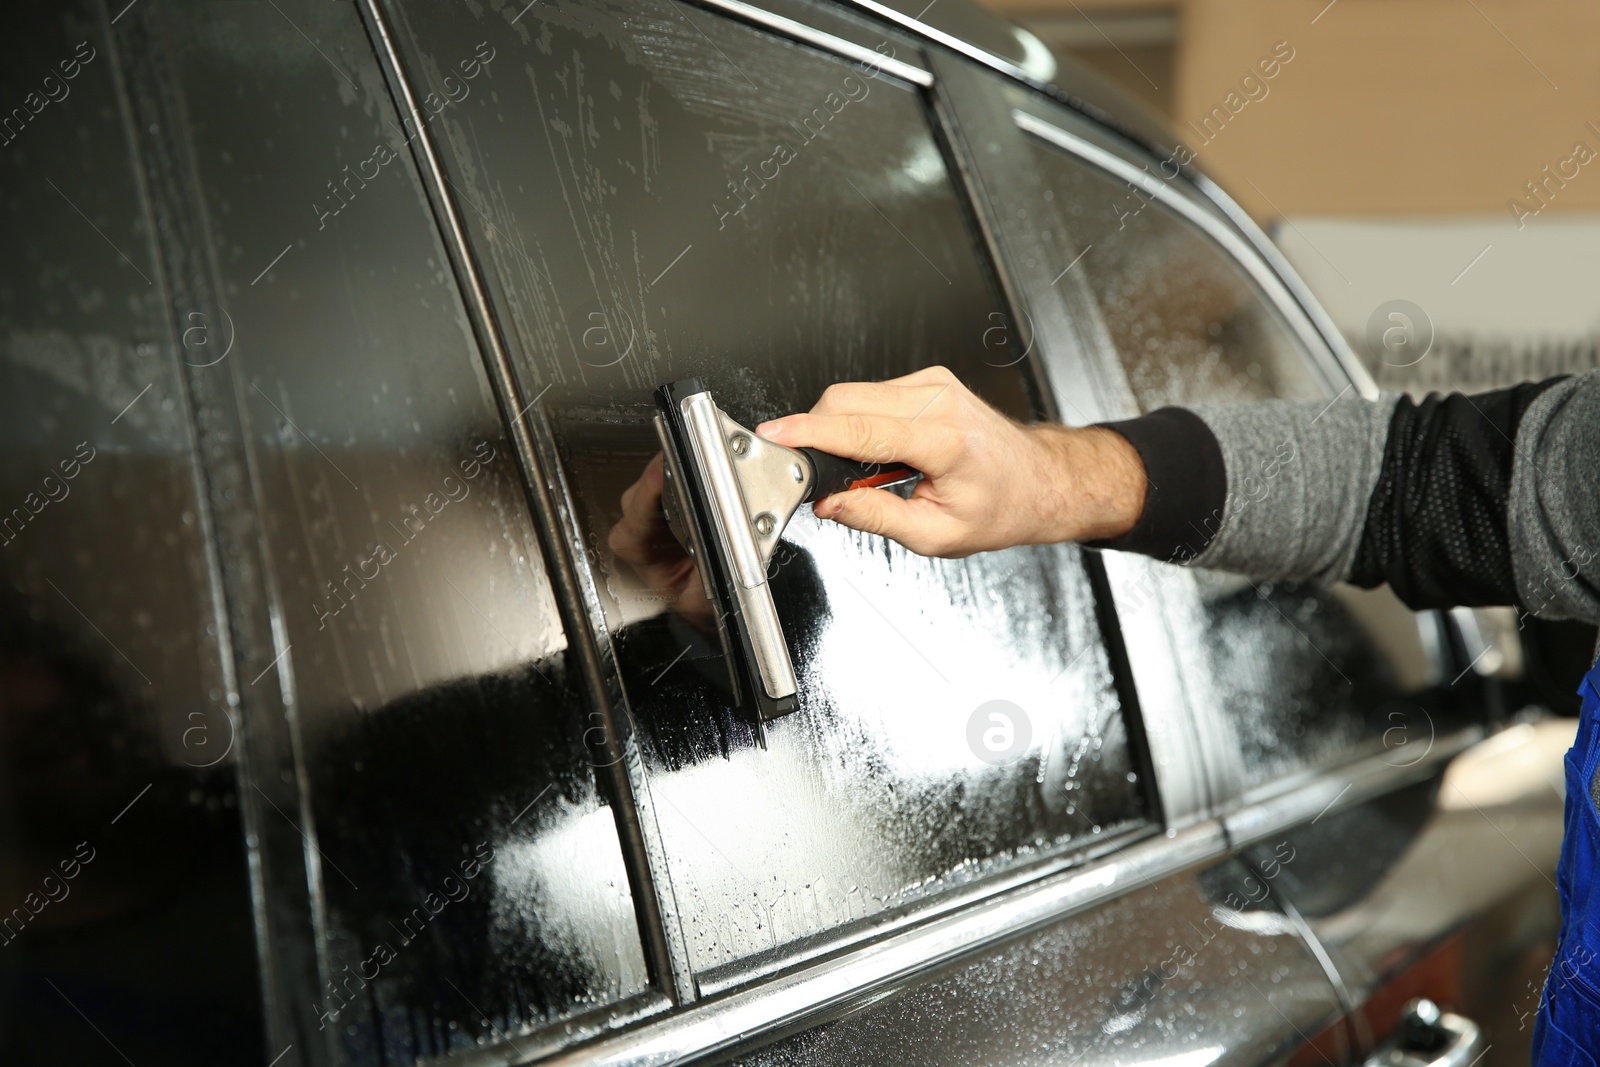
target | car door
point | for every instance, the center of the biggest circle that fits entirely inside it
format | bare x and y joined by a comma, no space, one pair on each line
437,857
1340,713
490,805
676,193
123,866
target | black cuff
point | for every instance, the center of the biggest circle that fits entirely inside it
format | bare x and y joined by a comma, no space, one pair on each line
1186,484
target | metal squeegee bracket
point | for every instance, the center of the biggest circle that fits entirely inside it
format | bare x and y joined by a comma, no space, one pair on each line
734,494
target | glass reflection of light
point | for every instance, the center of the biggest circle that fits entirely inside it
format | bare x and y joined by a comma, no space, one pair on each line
924,165
895,631
1264,923
548,884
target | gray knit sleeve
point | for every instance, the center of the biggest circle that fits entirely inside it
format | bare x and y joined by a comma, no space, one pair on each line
1554,515
1300,474
1451,500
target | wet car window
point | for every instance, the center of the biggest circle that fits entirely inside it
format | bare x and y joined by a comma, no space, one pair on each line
123,872
469,875
670,194
1187,322
1300,671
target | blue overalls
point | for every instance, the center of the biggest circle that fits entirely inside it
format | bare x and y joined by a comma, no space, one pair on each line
1567,1032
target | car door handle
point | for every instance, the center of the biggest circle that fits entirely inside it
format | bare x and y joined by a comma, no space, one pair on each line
1428,1037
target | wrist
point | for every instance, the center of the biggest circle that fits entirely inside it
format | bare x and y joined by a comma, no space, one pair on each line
1098,481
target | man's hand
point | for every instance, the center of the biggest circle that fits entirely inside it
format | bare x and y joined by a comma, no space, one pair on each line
988,482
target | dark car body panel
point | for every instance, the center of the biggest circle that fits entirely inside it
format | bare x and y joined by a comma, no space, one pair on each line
346,318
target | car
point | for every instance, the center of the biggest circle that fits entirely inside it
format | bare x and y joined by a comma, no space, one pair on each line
338,731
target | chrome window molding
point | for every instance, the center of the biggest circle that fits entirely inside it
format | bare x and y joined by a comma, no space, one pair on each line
784,26
1242,251
1272,808
955,44
1348,361
861,938
714,1025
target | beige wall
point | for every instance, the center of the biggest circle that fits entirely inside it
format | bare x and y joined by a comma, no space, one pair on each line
1389,107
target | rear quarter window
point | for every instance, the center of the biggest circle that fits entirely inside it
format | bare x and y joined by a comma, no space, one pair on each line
1301,674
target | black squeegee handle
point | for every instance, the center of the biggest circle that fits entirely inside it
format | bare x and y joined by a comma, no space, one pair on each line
833,474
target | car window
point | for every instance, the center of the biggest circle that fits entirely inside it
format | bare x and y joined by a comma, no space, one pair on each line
677,194
469,877
123,872
1300,672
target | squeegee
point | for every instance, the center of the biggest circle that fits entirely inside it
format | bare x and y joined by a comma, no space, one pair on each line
728,495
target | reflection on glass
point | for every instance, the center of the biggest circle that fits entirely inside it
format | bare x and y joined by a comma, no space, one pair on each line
122,857
642,540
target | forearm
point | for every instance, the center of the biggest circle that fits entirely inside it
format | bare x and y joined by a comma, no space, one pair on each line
1455,501
1458,500
1277,489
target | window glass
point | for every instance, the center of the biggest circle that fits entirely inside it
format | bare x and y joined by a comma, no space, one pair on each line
673,194
470,874
1302,671
1187,322
123,873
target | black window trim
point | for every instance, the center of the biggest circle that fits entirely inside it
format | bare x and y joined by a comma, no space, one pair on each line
913,72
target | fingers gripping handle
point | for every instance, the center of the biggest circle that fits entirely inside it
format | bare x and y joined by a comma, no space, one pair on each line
831,474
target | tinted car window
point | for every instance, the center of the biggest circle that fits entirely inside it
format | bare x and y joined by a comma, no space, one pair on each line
1300,671
1187,322
673,194
469,871
122,862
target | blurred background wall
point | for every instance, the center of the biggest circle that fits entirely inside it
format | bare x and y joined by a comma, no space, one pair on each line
1441,153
